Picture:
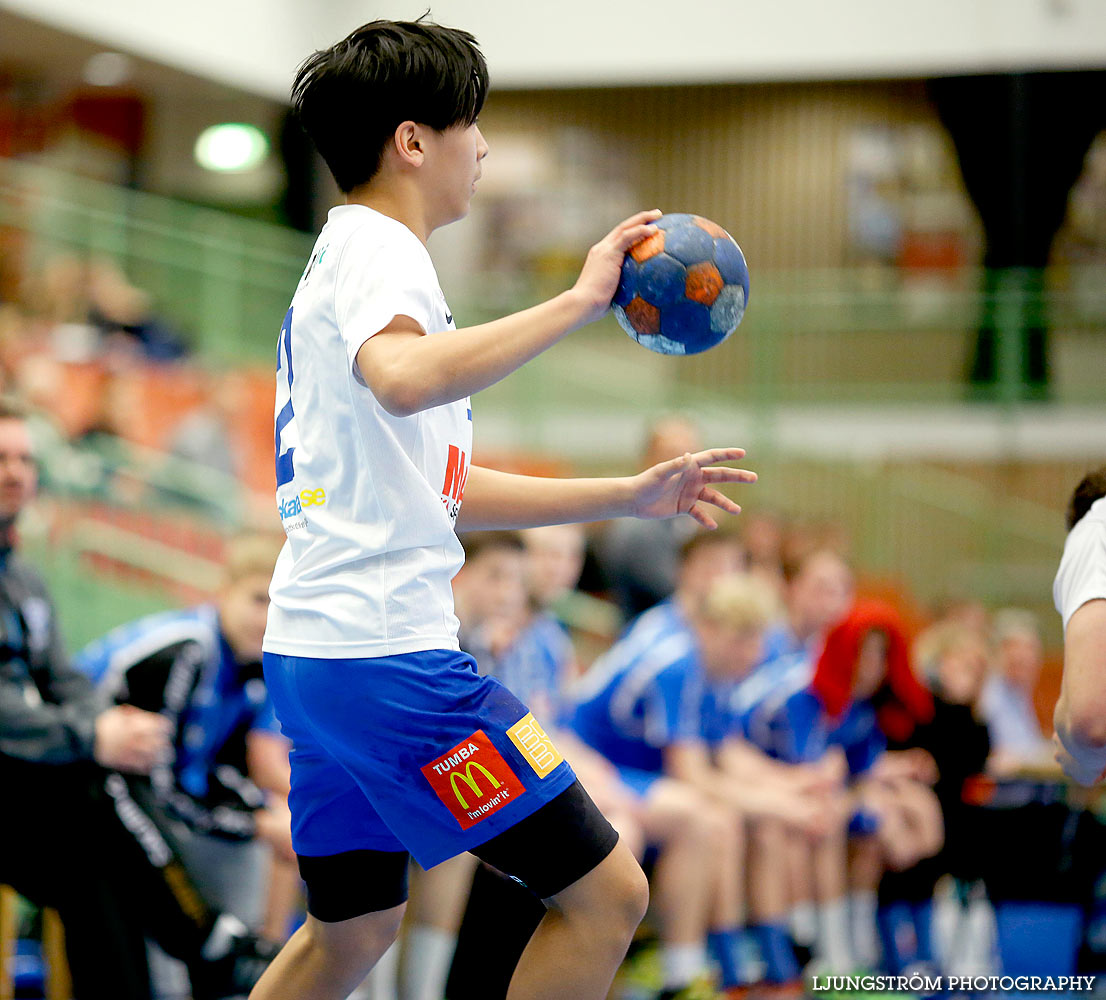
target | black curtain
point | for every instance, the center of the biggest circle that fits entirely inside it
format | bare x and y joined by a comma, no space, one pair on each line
1021,139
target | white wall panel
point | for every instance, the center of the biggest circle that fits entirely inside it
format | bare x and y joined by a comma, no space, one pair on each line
256,44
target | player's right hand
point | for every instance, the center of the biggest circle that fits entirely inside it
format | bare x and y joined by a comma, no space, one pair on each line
130,739
599,276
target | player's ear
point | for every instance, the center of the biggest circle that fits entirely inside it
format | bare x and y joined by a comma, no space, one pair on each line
408,143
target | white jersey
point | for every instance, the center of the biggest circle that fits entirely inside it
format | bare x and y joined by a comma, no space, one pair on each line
1082,573
368,500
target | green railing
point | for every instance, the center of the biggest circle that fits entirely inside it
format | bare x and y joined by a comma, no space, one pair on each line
934,533
221,280
835,336
89,603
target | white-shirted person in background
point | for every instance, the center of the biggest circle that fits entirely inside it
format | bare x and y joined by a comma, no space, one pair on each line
1080,596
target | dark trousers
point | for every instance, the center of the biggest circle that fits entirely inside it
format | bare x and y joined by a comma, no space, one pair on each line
73,838
500,918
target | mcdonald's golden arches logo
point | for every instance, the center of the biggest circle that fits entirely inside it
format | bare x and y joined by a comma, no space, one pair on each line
473,780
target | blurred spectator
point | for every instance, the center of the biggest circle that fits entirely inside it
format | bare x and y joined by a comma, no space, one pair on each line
123,316
861,698
207,464
73,837
554,560
639,558
1016,737
204,437
817,593
762,532
93,312
1079,593
968,611
221,796
958,663
955,661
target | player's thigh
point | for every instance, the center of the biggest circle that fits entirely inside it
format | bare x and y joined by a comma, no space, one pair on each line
612,897
438,896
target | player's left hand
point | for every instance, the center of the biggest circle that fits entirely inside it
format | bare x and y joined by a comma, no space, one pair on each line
686,485
1084,772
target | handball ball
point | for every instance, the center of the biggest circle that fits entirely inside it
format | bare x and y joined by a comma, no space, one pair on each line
684,288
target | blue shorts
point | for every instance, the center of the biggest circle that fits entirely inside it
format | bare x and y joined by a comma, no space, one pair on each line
413,753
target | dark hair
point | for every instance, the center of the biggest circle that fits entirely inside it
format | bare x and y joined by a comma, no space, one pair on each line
12,409
1091,487
796,558
706,539
476,543
351,97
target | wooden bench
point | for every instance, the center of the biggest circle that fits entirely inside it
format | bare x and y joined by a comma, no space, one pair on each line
58,984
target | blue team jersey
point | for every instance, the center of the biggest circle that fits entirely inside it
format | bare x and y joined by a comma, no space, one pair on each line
661,619
646,693
178,663
535,668
785,718
757,697
719,718
780,642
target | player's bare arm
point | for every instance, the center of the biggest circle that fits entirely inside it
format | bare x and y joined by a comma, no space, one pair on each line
408,372
1080,716
685,485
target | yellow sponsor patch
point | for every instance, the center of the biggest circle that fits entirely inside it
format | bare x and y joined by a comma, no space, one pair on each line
535,745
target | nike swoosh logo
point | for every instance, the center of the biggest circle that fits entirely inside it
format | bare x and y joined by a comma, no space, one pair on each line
449,317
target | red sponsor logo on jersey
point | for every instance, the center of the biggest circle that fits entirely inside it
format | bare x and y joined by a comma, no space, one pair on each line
456,475
473,780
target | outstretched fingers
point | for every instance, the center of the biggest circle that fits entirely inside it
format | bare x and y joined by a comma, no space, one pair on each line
712,456
719,500
703,517
725,475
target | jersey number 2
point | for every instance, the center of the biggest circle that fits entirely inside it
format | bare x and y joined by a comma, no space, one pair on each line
285,471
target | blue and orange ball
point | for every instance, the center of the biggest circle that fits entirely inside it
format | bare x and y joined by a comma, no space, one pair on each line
684,288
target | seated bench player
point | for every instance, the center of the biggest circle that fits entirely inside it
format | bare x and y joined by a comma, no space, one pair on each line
657,705
221,795
860,694
72,836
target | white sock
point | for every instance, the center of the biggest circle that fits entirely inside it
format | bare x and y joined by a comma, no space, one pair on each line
381,984
834,933
682,963
862,915
227,928
426,963
804,923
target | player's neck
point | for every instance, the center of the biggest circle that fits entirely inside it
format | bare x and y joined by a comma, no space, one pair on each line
401,202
